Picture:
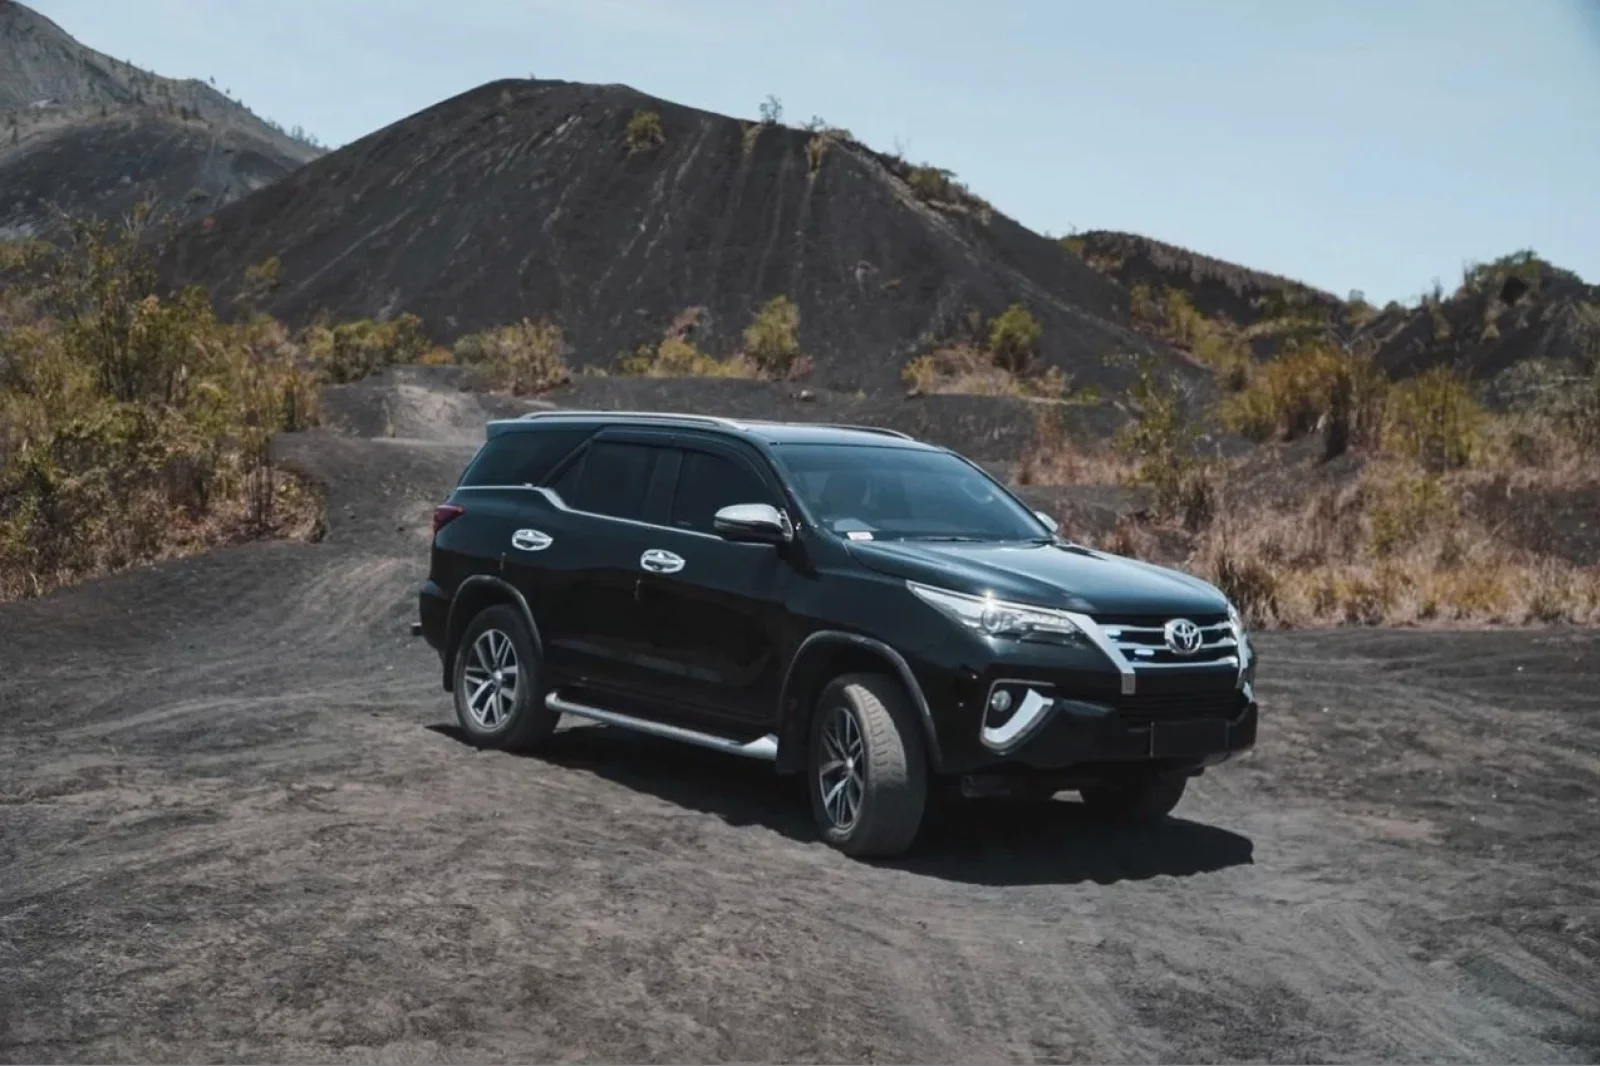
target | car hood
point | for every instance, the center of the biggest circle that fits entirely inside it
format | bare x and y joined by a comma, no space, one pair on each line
1061,575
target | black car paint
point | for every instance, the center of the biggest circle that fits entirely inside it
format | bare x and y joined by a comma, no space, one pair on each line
740,641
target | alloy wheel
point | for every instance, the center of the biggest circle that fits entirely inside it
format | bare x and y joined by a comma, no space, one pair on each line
842,776
491,679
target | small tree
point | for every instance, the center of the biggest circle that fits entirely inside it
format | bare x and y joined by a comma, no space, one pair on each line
772,341
1014,339
771,110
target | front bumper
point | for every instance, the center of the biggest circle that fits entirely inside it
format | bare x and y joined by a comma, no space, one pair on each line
1072,708
1202,728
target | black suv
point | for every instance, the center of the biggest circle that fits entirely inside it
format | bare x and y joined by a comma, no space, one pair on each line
875,612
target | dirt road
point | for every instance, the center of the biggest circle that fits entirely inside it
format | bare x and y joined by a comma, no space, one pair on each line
235,823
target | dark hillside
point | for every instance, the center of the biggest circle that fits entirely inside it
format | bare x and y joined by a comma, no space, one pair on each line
525,198
1214,286
90,134
1516,309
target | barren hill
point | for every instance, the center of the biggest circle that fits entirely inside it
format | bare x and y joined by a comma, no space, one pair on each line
529,198
91,134
1514,310
1214,286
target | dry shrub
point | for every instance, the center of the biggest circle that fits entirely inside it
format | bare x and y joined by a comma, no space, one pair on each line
135,425
1435,419
1052,458
1000,359
675,357
350,351
1159,441
964,369
525,358
1393,548
644,132
1295,394
772,340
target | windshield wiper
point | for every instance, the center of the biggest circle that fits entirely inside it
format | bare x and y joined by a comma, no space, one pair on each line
945,536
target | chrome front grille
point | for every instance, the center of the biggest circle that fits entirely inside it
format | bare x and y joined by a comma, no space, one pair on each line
1145,647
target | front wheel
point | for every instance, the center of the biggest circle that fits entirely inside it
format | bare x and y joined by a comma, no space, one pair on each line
1137,798
868,767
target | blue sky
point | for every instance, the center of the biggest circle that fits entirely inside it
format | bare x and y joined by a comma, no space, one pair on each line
1353,144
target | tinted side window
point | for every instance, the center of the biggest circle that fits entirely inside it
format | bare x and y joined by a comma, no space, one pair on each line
614,480
707,483
522,457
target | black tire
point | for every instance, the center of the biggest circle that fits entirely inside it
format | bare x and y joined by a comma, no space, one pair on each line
1137,798
508,717
892,786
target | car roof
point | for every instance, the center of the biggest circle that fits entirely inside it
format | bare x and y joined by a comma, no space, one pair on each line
771,432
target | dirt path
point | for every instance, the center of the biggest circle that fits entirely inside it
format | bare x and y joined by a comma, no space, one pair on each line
235,823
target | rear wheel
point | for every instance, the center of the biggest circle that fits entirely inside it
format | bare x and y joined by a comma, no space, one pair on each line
1136,798
499,692
868,767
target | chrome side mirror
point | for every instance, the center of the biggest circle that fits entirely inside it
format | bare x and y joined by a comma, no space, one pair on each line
1049,523
757,523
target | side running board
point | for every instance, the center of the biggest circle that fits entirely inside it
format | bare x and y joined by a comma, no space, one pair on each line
763,748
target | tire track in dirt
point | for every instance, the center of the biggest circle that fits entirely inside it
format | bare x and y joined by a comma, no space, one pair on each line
235,823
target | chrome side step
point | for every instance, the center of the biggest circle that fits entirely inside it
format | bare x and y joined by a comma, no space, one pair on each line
764,748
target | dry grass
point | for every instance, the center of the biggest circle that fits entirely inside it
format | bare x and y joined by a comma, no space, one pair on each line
771,352
1393,548
963,368
1389,539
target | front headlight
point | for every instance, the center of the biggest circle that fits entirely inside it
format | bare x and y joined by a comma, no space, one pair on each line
1235,619
1000,618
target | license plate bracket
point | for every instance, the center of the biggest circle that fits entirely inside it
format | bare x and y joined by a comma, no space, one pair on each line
1180,739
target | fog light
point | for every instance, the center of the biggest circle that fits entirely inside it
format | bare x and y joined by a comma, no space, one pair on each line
1000,702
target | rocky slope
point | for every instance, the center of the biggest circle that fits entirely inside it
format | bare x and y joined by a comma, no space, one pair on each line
525,198
90,134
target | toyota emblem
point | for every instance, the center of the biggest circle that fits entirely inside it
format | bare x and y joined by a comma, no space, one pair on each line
1183,636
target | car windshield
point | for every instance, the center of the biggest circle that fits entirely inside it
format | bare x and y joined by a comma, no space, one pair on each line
887,493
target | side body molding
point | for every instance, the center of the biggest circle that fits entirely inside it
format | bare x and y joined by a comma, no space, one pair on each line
473,595
793,742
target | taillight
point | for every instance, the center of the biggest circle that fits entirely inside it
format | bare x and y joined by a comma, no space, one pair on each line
444,514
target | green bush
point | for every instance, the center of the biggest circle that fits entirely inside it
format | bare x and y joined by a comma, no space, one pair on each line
772,341
1014,339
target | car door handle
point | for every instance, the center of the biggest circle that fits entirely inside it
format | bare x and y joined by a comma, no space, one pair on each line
661,562
531,540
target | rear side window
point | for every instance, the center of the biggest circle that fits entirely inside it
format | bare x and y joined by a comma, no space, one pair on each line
522,457
707,483
613,478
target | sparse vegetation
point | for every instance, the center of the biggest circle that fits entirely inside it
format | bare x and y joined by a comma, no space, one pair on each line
999,359
134,425
772,341
644,132
524,358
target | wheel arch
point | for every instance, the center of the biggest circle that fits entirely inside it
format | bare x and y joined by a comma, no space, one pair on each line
828,654
474,595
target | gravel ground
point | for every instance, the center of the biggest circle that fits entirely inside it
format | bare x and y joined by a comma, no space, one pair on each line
236,823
